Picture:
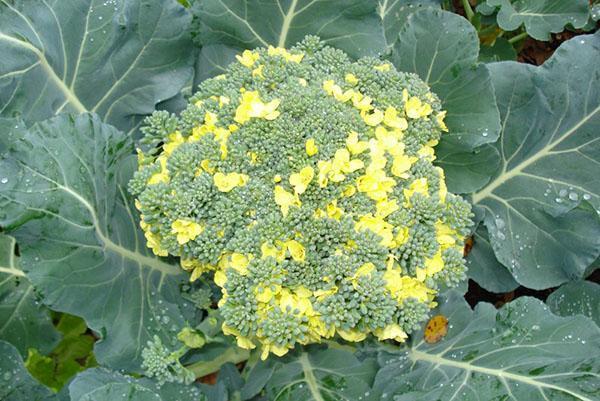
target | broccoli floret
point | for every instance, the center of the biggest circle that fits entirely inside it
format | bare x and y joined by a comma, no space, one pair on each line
304,183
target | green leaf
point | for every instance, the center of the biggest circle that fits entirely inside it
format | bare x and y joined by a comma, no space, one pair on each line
66,203
485,269
72,355
103,385
541,17
118,59
448,63
24,322
576,298
501,50
393,14
319,375
520,352
350,25
541,224
15,382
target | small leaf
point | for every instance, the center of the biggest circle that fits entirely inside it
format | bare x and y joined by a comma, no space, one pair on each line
539,205
15,382
350,25
485,269
67,205
24,322
501,50
541,17
118,59
520,352
576,298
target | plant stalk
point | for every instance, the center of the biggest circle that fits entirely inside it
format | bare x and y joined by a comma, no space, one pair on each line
234,355
468,10
517,38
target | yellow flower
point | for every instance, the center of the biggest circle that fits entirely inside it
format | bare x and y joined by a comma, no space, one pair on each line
296,250
311,147
280,51
341,163
391,119
414,108
446,236
258,71
360,102
245,342
351,79
388,140
393,281
153,240
274,348
443,188
334,90
205,165
333,211
377,225
402,164
353,335
382,67
354,145
439,118
376,184
269,250
302,81
226,182
435,264
248,58
163,175
252,107
402,236
372,119
301,180
239,262
186,230
220,278
391,332
385,207
417,186
285,199
413,288
175,139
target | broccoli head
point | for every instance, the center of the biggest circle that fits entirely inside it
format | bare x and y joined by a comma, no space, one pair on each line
302,183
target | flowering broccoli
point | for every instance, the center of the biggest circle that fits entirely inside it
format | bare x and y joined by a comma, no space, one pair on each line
303,183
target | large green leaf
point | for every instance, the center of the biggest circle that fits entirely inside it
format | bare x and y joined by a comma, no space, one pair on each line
16,384
576,298
539,217
520,352
351,25
116,58
104,385
541,17
315,374
64,195
393,14
443,48
24,322
485,269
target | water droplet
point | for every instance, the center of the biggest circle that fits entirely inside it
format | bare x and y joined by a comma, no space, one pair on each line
4,180
573,196
562,193
587,196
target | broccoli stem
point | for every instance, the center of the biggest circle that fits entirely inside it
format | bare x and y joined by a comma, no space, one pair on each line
234,355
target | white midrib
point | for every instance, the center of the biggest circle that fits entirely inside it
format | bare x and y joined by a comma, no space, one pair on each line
415,356
287,21
309,377
116,248
68,93
11,263
518,169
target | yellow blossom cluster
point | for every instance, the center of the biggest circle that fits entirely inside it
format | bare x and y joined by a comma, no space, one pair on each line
309,197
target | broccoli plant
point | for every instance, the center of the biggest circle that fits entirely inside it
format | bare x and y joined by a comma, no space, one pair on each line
341,200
